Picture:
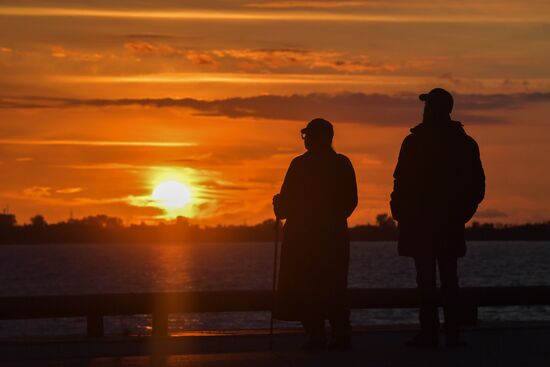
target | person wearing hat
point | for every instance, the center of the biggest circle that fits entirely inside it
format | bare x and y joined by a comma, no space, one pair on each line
438,185
318,194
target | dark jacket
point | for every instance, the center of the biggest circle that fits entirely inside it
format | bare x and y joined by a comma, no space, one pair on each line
439,183
319,193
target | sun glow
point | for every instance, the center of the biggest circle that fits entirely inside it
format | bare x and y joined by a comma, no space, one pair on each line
171,195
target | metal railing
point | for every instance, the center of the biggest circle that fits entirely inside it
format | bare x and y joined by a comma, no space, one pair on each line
160,305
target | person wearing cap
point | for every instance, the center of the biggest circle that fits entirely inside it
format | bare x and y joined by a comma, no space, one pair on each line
439,183
318,194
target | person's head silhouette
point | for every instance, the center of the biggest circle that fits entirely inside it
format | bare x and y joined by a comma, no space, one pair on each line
438,105
318,135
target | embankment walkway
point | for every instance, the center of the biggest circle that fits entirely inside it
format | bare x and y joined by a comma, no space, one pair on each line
521,345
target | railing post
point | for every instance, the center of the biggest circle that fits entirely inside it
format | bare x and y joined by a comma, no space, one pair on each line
468,313
94,326
160,323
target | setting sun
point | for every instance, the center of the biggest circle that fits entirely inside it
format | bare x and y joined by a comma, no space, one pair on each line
171,194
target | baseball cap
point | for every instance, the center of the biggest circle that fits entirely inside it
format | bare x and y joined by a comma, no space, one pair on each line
439,98
319,127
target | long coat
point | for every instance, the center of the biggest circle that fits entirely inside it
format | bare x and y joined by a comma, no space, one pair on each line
439,183
319,193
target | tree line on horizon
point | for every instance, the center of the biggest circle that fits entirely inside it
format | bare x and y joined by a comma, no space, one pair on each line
106,229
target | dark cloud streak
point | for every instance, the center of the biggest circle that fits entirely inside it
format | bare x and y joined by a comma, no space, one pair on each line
490,213
376,109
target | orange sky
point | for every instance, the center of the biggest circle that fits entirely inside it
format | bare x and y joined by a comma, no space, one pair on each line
102,100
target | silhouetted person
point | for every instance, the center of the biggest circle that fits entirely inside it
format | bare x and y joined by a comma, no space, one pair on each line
319,193
439,182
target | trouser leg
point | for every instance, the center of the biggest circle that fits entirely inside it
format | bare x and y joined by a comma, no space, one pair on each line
426,282
315,329
340,325
448,275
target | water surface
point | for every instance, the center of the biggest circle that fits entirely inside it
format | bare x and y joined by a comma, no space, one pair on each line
126,268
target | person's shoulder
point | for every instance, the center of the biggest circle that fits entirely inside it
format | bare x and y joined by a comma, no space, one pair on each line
298,160
471,144
415,133
342,157
343,160
469,141
410,140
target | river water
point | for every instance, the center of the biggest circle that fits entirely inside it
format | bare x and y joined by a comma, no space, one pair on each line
126,268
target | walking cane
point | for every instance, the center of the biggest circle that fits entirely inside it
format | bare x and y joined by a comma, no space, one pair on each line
274,288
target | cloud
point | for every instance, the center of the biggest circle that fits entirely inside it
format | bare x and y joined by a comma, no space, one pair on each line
103,166
242,154
490,213
217,186
37,192
96,143
69,190
376,109
272,59
470,14
502,101
150,49
143,49
264,59
60,52
156,36
472,84
201,58
306,4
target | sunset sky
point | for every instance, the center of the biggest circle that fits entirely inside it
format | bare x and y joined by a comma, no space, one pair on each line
101,101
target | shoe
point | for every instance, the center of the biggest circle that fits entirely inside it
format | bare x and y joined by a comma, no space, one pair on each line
340,344
314,346
452,340
423,340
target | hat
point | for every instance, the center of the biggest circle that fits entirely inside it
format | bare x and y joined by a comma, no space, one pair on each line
319,127
439,98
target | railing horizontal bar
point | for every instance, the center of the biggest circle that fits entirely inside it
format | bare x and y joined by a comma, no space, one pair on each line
241,301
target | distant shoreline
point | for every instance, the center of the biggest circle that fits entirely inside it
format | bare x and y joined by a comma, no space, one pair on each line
109,230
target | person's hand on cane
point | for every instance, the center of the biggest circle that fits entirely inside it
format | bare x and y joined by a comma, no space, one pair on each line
277,206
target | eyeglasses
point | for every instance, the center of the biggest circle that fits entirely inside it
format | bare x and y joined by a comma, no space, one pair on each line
303,135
